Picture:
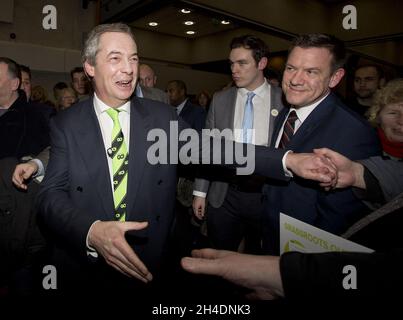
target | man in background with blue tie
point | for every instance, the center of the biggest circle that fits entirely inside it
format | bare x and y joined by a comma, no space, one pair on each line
249,110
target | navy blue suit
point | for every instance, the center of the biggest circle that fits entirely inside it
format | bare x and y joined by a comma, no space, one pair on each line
331,124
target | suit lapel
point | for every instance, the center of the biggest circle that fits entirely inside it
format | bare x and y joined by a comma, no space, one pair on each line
277,126
316,118
228,121
90,143
276,106
185,109
140,125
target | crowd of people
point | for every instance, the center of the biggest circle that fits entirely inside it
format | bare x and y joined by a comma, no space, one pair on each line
76,173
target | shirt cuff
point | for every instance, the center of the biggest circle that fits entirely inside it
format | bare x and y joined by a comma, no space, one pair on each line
200,194
287,172
90,250
41,169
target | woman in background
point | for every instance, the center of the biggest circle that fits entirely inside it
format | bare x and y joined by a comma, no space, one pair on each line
203,99
67,98
387,115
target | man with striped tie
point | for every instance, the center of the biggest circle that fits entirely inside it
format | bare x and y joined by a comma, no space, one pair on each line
316,118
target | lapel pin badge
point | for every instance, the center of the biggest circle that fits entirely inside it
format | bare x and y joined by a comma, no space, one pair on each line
274,112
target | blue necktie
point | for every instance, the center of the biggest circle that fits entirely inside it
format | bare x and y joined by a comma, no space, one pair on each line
247,123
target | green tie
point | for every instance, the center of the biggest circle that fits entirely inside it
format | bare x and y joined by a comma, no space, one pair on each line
120,165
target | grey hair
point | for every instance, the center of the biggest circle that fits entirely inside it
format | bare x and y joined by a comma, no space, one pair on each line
91,46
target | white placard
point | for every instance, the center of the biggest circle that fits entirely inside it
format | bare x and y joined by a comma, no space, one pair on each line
296,235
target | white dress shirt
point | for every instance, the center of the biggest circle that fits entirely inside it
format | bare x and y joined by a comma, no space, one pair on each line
261,118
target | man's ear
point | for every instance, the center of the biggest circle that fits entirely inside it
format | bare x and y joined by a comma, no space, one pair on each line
336,77
15,84
262,63
89,69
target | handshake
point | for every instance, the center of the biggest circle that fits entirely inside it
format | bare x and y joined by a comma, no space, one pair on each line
330,168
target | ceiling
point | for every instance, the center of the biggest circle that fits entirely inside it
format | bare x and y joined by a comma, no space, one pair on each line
172,21
138,13
207,16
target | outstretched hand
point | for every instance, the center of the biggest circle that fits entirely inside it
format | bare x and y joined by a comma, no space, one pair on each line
108,238
261,274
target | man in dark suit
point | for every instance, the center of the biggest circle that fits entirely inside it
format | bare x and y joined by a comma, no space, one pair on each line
118,213
317,118
194,115
23,130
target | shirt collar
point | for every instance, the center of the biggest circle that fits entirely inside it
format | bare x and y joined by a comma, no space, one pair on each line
139,91
304,112
101,107
181,106
259,91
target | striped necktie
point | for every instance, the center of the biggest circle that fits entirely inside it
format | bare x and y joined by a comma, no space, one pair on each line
288,130
120,165
247,123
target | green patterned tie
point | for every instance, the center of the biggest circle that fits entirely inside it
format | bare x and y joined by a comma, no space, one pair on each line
120,165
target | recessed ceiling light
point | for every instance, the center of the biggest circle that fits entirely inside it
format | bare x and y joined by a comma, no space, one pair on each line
225,22
190,32
185,11
189,23
153,24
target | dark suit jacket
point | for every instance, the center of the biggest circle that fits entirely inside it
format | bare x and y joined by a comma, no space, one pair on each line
194,115
76,190
320,276
23,130
331,124
21,243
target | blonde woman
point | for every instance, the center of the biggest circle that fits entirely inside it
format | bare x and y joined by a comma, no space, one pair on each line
387,115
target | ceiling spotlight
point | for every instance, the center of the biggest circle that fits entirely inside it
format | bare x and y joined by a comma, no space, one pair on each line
189,23
153,24
190,32
185,11
225,22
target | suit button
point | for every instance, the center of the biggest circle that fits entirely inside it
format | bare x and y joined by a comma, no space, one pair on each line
80,189
159,182
157,218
